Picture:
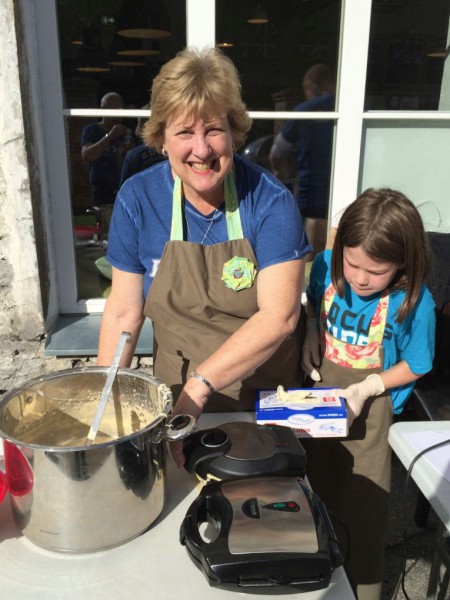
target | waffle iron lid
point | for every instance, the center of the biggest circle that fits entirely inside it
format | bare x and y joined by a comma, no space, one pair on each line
241,449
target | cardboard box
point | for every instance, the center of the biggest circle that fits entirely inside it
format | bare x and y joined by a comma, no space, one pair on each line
310,412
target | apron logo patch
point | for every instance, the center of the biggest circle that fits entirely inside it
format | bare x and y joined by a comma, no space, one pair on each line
238,273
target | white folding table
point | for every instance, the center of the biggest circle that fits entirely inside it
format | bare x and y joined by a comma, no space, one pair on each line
431,472
154,565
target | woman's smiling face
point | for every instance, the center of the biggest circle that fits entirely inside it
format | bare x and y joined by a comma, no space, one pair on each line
201,154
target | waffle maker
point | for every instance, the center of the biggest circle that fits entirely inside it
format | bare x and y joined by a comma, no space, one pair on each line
261,535
243,449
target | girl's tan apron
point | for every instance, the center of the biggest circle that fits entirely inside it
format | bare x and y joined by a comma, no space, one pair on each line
352,475
194,312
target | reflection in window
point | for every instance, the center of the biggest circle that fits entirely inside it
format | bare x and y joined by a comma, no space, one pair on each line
118,45
407,48
287,56
272,55
114,46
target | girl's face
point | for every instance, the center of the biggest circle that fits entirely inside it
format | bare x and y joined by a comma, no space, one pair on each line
365,275
201,154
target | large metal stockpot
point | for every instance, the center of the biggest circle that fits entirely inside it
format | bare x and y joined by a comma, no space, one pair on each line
71,496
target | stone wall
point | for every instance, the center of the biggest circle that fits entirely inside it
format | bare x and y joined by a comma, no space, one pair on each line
26,275
22,330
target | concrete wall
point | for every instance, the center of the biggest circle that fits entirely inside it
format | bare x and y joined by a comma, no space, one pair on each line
22,331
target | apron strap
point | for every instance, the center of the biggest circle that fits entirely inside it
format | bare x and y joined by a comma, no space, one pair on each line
176,230
234,225
233,217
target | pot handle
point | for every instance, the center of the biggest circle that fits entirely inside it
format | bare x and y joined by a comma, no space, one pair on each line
180,427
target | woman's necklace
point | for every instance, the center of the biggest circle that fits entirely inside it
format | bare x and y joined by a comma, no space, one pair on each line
211,221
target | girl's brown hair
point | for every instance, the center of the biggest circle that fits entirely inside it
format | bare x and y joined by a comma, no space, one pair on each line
388,227
201,85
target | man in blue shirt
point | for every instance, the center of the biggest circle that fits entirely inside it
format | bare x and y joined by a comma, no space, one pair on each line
102,146
312,141
141,156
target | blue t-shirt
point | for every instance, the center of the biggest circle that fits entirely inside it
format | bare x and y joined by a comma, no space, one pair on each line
349,320
137,159
105,170
313,140
142,217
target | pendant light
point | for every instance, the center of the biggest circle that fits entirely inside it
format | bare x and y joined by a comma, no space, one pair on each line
91,56
258,16
144,19
137,47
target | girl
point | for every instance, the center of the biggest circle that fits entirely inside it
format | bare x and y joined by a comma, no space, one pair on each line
370,331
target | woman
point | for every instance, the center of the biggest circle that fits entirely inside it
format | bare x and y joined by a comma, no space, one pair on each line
208,246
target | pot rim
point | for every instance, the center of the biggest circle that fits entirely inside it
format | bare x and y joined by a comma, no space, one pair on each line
162,416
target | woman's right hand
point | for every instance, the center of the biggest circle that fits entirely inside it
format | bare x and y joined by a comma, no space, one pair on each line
311,351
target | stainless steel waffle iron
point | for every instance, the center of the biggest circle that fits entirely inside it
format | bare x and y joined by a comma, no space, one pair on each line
261,534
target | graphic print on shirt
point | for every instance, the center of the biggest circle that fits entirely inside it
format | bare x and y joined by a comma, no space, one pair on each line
155,265
353,331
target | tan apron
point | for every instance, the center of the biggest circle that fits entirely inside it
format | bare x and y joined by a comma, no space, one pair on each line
194,312
352,475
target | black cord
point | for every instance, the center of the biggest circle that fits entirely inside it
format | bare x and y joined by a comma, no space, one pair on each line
347,536
405,536
333,517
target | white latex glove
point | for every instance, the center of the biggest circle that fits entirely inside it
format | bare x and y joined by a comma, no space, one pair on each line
357,393
311,350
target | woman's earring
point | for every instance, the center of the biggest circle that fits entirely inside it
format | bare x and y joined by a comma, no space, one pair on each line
164,152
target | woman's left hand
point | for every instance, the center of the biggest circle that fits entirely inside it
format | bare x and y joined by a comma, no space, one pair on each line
191,401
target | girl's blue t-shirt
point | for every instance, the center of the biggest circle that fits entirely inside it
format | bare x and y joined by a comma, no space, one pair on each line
142,217
350,317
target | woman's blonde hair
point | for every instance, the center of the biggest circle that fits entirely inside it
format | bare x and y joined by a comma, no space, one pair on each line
389,228
201,84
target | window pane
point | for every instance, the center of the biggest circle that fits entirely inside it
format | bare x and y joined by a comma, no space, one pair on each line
289,63
116,45
301,156
408,42
273,56
412,158
108,46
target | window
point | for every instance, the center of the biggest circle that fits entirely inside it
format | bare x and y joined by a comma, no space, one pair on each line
406,129
109,54
389,83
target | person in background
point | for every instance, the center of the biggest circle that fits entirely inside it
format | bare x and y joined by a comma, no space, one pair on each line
313,142
141,156
103,147
207,245
370,333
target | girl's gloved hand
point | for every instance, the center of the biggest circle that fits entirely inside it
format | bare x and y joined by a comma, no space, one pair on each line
311,350
357,393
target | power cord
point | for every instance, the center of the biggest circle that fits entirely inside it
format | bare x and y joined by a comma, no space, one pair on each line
405,536
336,519
345,556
